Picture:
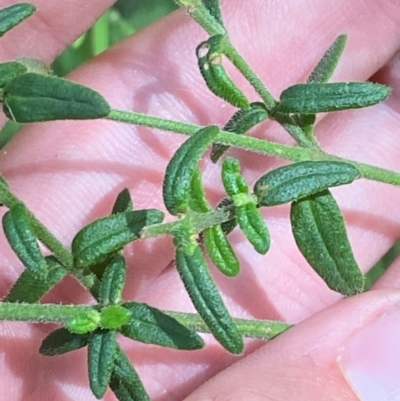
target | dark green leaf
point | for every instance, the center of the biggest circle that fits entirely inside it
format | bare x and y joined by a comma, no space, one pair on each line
213,7
253,226
9,71
182,167
220,251
61,341
323,97
102,347
151,326
113,281
204,294
325,67
123,203
241,122
22,238
34,97
95,242
296,181
13,15
30,288
209,56
125,382
320,234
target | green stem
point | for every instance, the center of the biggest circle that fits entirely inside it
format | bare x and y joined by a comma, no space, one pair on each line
251,328
45,313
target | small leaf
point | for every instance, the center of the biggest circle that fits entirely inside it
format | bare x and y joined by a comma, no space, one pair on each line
95,242
234,182
30,288
125,382
320,234
9,71
84,322
102,347
298,180
114,317
34,98
113,281
204,294
61,341
209,56
241,122
325,67
228,204
324,97
123,203
214,9
22,238
151,326
182,167
220,251
253,226
14,15
197,200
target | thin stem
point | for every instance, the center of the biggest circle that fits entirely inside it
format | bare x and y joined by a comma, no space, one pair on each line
251,328
47,313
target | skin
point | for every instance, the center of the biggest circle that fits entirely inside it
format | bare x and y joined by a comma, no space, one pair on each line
69,173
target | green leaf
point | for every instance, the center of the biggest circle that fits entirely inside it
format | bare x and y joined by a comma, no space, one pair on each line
182,167
125,382
214,9
253,226
324,97
241,122
84,322
95,242
113,281
298,180
320,234
30,288
114,317
9,71
34,98
123,203
22,238
102,347
14,15
61,341
325,67
197,199
220,251
151,326
209,56
204,294
234,182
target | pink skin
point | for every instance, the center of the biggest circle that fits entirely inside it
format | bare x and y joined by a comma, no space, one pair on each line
69,173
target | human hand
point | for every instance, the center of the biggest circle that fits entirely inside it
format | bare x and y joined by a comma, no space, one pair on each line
69,173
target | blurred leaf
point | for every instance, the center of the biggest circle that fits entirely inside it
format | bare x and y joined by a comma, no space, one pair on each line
14,15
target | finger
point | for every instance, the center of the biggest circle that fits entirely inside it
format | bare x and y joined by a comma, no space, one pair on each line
346,352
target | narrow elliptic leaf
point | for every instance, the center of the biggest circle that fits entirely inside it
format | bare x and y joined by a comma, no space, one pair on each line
324,97
253,226
61,341
113,281
102,347
234,182
9,71
214,9
325,67
241,122
298,180
320,234
30,288
125,382
123,203
229,225
209,56
151,326
95,242
35,97
197,198
220,251
182,167
13,15
205,296
22,238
